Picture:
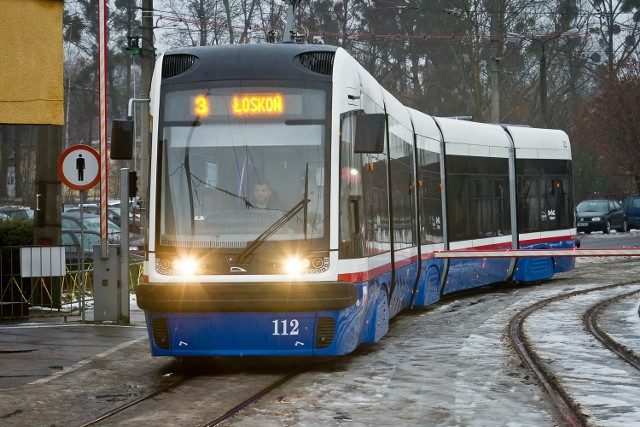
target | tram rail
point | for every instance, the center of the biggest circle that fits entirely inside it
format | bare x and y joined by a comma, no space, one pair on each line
154,397
590,320
569,410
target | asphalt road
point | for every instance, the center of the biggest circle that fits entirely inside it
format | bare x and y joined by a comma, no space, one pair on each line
614,240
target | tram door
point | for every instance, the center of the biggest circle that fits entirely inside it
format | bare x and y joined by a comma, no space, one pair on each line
403,222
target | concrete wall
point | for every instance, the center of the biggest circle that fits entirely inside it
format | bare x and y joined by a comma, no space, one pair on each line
31,54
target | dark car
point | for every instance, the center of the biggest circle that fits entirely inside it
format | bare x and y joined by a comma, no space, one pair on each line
631,206
600,215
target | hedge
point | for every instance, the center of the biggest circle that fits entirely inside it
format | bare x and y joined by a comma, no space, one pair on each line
16,233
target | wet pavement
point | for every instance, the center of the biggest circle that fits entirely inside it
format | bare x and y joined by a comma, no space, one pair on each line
41,348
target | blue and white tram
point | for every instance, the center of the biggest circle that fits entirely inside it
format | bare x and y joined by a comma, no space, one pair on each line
362,192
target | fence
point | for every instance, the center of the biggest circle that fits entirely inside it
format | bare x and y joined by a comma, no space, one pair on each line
51,295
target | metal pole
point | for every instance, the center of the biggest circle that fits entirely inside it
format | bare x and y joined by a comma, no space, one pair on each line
291,17
82,269
104,172
496,48
146,62
123,313
543,85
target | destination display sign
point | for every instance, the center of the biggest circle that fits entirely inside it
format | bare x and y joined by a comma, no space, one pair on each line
245,104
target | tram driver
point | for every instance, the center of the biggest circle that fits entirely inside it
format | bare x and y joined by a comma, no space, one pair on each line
264,197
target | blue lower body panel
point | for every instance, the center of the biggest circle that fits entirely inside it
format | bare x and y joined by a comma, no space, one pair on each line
473,272
247,334
535,269
428,289
182,333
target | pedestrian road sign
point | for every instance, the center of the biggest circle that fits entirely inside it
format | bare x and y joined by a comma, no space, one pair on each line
79,167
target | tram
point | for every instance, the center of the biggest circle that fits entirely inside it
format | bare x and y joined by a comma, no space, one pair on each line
295,205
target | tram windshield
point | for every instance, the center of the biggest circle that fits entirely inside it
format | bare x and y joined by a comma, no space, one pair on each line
240,165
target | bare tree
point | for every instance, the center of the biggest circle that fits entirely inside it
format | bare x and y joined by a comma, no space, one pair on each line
616,22
207,22
608,127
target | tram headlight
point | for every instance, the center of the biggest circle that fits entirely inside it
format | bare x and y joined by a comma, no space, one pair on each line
296,265
185,267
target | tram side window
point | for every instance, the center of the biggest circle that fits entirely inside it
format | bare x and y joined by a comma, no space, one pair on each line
351,225
375,194
544,195
401,168
478,197
528,204
376,205
429,193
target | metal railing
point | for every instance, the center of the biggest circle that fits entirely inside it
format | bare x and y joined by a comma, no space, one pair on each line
45,296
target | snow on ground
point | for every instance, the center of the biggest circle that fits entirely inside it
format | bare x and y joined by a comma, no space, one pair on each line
449,365
607,389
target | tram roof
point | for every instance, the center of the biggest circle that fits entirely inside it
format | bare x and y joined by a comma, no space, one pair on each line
267,61
424,124
474,139
537,143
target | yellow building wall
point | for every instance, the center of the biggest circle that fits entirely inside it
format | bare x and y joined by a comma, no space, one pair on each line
31,62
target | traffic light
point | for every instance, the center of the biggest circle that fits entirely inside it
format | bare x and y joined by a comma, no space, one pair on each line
133,45
133,183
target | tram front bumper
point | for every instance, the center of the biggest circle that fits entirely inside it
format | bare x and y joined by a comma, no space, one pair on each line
246,297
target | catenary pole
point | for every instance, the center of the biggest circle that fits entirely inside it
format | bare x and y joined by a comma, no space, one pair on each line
147,60
102,48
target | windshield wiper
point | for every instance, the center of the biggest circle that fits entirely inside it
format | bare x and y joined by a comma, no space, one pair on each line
255,244
246,201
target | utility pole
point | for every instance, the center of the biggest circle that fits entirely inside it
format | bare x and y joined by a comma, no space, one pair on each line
291,18
496,49
543,40
46,229
147,60
543,85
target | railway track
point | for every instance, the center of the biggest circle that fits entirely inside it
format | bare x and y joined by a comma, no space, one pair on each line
590,320
198,388
569,407
117,410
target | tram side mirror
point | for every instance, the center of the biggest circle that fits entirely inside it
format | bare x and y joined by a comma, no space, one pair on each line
121,139
369,133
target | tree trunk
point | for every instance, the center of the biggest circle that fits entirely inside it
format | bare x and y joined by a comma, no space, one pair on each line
46,230
5,149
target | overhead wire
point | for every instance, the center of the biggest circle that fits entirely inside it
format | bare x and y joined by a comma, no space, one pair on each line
434,39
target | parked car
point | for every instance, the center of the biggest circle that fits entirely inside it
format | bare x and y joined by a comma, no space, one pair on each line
600,215
91,222
21,213
112,214
631,206
71,221
71,240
